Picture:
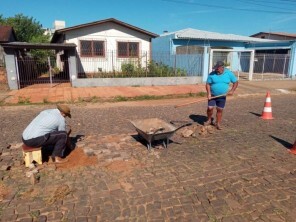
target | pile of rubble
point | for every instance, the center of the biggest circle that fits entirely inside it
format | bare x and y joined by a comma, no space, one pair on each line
195,130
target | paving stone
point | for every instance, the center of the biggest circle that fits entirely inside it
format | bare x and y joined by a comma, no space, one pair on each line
42,218
81,219
55,216
20,209
28,219
11,217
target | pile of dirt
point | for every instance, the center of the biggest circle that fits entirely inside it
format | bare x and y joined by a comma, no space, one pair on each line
78,158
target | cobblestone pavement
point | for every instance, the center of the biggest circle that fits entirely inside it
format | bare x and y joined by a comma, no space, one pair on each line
241,173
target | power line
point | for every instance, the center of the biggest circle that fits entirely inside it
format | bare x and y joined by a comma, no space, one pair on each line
276,2
229,7
254,2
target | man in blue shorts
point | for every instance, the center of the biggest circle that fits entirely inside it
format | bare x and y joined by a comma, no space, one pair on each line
217,86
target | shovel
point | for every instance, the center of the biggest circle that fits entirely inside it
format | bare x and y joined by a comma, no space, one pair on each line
200,100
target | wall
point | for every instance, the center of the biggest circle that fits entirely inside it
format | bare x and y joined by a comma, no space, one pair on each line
162,44
1,56
292,66
153,81
11,69
163,52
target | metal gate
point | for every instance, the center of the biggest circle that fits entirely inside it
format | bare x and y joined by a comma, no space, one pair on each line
271,66
249,65
32,71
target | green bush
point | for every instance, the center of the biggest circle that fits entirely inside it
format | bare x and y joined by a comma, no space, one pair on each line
134,69
162,70
128,69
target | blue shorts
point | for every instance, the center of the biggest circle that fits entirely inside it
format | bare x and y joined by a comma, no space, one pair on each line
217,102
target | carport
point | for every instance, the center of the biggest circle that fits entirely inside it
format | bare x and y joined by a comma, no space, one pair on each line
23,70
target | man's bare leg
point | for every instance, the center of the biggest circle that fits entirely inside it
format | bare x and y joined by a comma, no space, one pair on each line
219,118
210,111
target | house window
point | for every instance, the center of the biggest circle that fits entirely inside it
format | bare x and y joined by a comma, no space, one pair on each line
127,49
192,49
92,48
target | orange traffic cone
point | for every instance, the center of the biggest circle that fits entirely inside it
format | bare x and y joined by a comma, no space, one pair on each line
293,149
267,111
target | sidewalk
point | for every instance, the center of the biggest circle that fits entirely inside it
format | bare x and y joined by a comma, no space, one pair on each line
65,93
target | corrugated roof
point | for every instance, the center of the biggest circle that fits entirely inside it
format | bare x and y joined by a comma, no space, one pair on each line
5,33
205,35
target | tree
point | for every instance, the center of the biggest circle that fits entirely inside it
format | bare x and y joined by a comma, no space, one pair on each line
29,30
39,53
26,28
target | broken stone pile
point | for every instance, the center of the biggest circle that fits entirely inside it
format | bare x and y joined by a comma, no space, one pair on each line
195,130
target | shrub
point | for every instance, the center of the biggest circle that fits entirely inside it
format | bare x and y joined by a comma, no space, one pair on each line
128,69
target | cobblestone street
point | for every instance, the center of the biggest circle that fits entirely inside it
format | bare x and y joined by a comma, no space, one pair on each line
241,173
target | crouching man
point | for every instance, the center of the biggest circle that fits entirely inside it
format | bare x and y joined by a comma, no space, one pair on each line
49,128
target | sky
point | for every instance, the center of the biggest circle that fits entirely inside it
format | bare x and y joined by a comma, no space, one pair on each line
240,17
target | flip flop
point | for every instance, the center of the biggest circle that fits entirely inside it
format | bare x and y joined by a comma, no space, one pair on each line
218,127
59,160
208,122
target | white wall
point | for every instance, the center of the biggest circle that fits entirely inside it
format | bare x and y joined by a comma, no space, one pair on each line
147,81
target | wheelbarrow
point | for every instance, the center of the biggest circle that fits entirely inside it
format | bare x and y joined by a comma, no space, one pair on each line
155,129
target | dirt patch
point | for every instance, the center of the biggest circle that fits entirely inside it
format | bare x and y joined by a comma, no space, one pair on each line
3,87
124,166
78,158
4,192
31,193
59,193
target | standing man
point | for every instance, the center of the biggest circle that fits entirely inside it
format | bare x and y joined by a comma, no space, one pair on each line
218,84
49,128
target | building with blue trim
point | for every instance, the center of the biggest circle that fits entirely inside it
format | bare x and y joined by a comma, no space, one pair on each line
196,51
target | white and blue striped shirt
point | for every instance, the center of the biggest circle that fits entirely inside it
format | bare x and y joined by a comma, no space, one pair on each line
47,121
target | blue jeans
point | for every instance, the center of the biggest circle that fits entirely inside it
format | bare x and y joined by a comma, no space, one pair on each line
58,139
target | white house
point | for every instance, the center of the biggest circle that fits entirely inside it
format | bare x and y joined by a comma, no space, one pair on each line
104,46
